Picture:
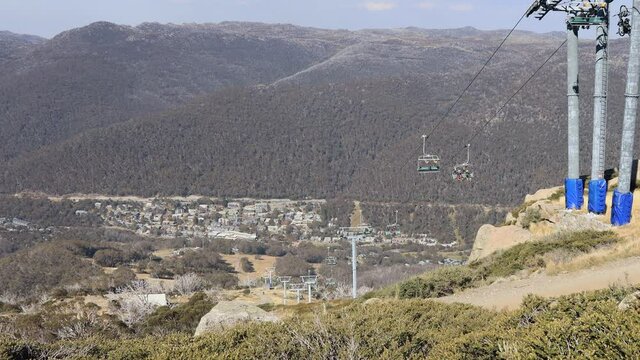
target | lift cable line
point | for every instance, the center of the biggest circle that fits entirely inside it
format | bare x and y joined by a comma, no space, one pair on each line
506,103
425,137
473,80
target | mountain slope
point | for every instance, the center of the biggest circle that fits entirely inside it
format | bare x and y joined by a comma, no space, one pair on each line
13,46
343,118
356,138
105,73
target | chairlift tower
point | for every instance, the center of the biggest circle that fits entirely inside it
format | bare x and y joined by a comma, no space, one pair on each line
331,261
284,280
309,281
574,187
354,269
298,288
622,196
268,277
584,15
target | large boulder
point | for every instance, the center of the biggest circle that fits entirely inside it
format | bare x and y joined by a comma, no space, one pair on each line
228,313
632,301
491,239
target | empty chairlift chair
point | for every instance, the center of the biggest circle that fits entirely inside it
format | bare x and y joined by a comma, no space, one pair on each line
464,171
428,163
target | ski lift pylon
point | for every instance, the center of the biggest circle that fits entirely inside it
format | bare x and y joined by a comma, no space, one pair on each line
464,171
428,163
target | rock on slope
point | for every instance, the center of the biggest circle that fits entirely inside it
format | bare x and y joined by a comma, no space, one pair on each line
228,313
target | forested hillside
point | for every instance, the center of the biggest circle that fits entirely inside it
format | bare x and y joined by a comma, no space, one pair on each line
13,46
105,73
338,113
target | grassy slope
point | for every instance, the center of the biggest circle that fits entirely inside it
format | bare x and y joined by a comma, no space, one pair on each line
578,326
529,256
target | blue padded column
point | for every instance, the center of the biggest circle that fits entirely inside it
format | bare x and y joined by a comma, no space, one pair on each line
621,208
574,194
598,196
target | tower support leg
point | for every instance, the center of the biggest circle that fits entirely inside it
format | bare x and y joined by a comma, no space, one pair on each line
622,206
598,184
573,185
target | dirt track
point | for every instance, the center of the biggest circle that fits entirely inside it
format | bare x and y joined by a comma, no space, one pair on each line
509,294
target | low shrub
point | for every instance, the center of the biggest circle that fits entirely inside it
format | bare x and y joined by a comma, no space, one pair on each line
246,265
442,282
581,326
183,318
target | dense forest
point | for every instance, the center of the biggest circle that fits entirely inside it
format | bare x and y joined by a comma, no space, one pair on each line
341,117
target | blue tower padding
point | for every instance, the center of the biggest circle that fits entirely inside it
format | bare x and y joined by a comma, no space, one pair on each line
621,208
598,196
574,194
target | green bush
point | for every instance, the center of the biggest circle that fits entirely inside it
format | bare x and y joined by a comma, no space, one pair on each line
557,195
13,349
183,318
246,265
442,282
532,216
580,326
8,308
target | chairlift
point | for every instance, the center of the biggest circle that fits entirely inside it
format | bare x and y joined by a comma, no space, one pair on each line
428,163
463,172
589,13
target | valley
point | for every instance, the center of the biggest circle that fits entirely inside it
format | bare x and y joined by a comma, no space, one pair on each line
248,190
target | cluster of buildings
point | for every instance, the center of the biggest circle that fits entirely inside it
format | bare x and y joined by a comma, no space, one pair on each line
236,220
17,224
365,234
244,219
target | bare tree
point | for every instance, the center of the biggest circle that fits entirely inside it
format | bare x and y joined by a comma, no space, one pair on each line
343,291
133,302
188,284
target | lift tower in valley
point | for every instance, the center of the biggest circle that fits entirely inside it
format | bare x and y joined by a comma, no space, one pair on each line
622,196
583,15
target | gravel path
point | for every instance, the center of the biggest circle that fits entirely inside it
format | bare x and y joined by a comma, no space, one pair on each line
509,294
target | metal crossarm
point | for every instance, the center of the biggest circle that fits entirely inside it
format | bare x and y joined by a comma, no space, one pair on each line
542,7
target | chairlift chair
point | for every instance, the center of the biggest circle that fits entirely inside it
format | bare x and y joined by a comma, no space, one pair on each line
589,13
428,163
463,172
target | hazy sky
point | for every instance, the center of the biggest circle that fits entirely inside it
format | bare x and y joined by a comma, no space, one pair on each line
49,17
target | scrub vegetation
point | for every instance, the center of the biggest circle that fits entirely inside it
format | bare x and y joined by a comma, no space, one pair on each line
586,326
529,257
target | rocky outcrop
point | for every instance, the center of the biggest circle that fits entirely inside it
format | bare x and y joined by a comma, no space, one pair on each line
540,218
542,194
491,239
229,313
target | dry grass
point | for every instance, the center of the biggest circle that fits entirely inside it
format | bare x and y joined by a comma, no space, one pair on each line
260,265
629,247
163,253
356,215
